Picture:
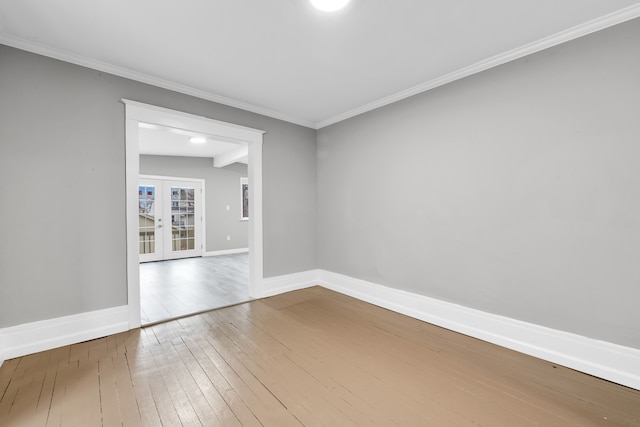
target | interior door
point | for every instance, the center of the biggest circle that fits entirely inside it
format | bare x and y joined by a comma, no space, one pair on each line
171,223
182,230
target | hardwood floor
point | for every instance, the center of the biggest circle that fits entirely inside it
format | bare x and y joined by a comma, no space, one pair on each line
172,289
311,357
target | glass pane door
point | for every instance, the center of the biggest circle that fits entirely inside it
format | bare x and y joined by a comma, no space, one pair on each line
170,213
150,220
147,214
184,238
182,219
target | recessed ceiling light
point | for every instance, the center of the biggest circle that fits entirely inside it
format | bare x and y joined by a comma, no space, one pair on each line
329,5
198,139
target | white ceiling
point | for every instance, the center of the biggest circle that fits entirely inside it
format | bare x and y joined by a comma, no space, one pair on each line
166,141
286,60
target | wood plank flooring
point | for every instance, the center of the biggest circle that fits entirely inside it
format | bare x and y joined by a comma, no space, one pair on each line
172,289
307,358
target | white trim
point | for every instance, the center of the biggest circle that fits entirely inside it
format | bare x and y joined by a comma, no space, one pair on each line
602,359
2,358
584,29
223,131
136,112
256,276
43,335
290,282
94,64
132,176
599,358
226,252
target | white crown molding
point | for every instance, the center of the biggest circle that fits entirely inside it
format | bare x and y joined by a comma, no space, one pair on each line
146,78
584,29
573,33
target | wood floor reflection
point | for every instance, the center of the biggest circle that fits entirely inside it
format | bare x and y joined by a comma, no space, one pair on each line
172,289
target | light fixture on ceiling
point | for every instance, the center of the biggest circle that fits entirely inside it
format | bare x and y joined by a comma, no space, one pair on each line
329,5
144,125
198,139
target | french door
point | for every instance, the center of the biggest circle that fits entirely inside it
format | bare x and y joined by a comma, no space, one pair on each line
170,218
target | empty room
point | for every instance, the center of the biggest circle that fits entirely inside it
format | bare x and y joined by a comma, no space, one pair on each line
436,204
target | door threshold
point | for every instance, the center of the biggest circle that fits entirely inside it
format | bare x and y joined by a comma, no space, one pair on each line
182,316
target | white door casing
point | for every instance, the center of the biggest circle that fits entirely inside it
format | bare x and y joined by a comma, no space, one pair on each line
136,112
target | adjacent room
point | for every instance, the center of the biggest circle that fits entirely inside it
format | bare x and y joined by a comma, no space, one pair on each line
197,260
416,213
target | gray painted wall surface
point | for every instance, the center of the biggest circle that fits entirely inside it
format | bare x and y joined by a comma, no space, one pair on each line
62,165
222,189
515,191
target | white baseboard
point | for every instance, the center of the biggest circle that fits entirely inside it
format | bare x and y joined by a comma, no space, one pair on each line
602,359
599,358
289,282
226,252
27,338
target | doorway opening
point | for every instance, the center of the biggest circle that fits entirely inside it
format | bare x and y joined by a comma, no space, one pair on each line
247,140
179,218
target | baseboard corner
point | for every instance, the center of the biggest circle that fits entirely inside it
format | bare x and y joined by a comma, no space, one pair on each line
289,282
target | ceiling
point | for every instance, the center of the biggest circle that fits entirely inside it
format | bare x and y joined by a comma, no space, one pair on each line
284,59
166,141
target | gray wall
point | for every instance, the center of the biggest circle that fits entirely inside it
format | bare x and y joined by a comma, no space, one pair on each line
62,180
515,191
222,189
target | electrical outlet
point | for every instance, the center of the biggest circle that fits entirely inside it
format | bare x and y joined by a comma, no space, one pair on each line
228,237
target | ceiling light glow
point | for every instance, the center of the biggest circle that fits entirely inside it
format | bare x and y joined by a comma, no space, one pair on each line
144,125
329,5
198,139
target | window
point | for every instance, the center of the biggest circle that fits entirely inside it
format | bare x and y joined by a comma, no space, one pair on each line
244,198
